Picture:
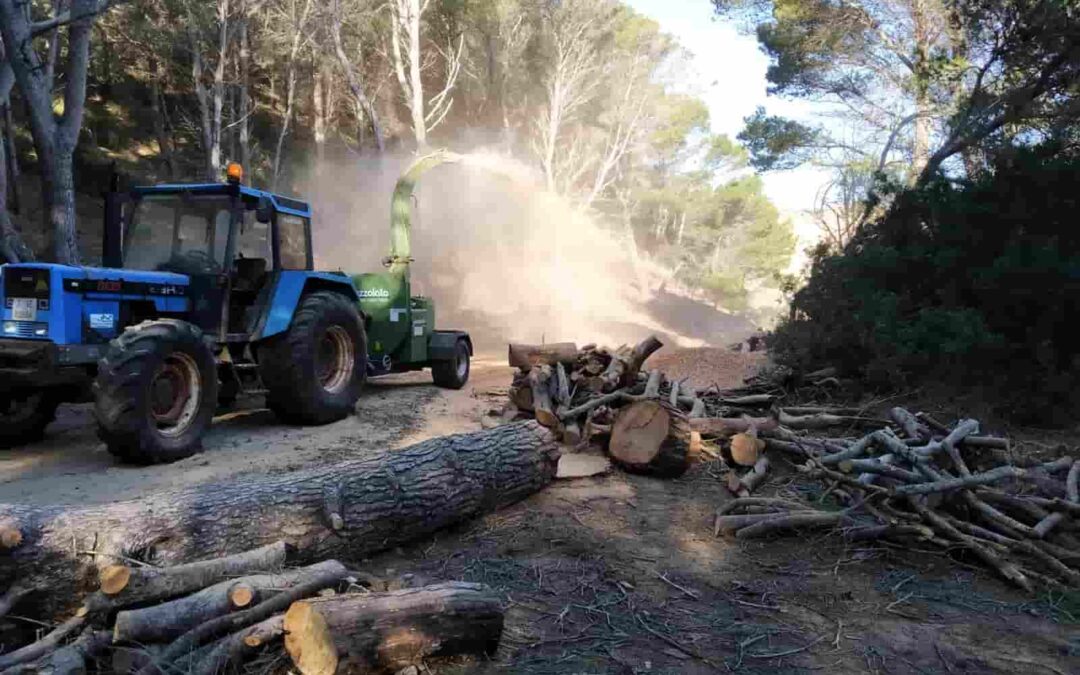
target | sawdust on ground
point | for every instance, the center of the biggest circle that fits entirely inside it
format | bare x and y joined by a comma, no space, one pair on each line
706,366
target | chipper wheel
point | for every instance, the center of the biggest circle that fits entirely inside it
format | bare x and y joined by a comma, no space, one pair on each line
24,414
156,391
454,373
313,372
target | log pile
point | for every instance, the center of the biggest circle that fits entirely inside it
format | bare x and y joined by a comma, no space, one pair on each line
200,569
213,616
595,396
915,480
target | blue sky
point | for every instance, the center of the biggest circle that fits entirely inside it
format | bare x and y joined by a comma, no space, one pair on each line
728,73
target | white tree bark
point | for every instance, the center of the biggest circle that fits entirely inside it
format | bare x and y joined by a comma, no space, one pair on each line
360,97
298,18
405,39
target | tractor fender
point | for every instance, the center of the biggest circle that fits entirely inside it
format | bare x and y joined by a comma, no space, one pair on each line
442,342
288,287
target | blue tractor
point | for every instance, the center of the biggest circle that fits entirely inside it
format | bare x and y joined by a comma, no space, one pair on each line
205,291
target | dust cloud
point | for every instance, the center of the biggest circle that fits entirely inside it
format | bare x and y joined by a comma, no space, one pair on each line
502,257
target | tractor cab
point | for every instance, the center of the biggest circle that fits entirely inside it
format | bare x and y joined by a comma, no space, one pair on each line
227,239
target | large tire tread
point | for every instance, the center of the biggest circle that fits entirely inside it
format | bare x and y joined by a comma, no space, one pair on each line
121,391
287,362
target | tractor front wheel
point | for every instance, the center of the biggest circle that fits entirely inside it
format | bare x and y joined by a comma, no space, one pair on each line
24,414
314,372
155,393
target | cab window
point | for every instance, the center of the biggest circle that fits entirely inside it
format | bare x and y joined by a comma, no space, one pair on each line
292,240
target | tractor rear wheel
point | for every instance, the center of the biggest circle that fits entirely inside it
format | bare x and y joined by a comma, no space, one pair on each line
314,372
24,414
453,373
155,392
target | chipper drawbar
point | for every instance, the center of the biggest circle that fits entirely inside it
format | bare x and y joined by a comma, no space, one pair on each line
207,291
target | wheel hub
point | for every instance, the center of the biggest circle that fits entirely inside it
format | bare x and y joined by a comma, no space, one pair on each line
174,394
334,359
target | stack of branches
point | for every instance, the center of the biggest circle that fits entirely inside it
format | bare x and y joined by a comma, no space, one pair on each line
918,480
596,396
646,422
214,615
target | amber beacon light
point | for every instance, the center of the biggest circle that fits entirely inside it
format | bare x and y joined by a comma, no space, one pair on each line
234,172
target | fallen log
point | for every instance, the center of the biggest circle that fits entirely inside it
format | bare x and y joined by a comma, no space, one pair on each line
526,356
381,501
167,621
389,631
641,441
46,645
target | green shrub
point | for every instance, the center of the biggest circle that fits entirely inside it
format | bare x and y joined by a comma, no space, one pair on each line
974,283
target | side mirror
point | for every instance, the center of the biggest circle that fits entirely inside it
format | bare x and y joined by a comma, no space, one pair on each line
264,210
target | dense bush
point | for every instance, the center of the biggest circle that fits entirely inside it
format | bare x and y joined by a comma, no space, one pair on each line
975,284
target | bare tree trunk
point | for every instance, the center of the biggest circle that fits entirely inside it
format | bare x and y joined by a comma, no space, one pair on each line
245,99
12,154
157,105
218,89
54,138
319,95
921,151
406,24
299,24
357,88
12,248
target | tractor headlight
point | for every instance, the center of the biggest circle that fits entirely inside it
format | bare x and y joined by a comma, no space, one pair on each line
26,328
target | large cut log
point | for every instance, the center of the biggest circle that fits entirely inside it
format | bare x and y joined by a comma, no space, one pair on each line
642,441
389,631
354,507
526,356
168,621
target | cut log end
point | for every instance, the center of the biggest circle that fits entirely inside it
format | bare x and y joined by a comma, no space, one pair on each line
746,448
308,640
10,537
241,595
114,579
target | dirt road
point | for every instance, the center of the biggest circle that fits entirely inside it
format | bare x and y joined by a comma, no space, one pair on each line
71,466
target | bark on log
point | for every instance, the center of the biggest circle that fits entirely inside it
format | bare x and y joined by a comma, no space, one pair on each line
640,353
150,584
727,426
69,660
641,441
178,652
386,499
652,387
389,631
906,421
539,382
48,643
789,521
231,651
167,621
993,476
526,356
